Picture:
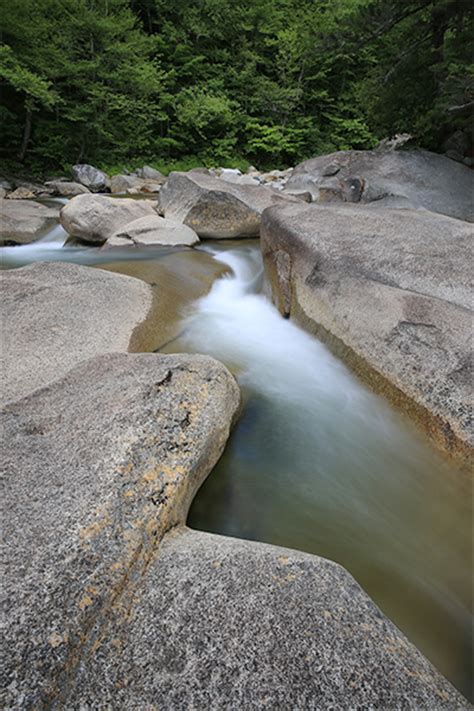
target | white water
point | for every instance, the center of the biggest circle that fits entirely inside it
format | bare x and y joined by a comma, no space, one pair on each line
277,359
320,463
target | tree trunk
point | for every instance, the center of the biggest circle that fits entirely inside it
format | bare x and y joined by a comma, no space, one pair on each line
26,135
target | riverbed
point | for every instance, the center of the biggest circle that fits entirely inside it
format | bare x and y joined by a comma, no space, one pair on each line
316,462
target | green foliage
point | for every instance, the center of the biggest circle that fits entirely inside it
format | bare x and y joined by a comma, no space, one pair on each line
206,82
21,79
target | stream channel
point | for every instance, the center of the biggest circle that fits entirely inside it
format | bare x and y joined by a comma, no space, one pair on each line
316,461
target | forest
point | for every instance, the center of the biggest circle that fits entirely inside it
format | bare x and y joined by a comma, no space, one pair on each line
230,82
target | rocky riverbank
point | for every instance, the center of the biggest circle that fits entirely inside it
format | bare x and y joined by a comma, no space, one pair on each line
389,291
110,600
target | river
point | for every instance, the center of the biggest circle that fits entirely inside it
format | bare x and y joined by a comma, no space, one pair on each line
316,462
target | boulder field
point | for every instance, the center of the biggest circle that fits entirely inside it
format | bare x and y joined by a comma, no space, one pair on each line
389,290
106,611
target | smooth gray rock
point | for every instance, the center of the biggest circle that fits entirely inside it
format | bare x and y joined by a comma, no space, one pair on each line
416,179
95,218
97,467
153,230
220,623
216,208
65,188
305,196
240,179
93,178
54,315
390,290
24,221
149,173
133,185
122,183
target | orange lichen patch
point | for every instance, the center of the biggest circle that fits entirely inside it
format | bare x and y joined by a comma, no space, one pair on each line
150,475
129,494
125,469
94,528
283,559
85,602
442,695
290,578
95,646
117,567
56,639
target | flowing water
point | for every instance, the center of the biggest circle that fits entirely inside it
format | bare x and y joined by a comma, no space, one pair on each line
319,463
316,461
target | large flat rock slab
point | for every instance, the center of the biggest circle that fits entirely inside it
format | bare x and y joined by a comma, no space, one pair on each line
417,179
97,466
221,623
216,208
54,315
390,291
25,221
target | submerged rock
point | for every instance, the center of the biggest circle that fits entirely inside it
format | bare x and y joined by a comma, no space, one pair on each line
153,230
93,178
417,179
25,221
95,218
99,465
216,208
55,315
390,290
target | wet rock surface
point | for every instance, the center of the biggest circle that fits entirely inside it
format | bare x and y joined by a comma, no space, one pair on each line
390,290
25,221
95,218
215,207
417,179
55,315
221,623
98,465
